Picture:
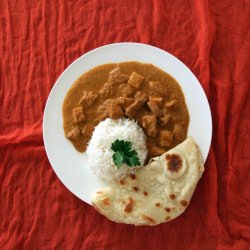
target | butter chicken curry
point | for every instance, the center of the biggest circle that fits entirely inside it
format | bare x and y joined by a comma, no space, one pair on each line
135,90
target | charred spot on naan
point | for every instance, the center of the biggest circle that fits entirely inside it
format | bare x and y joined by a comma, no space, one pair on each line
132,176
167,209
184,203
174,162
129,205
148,219
122,182
106,201
167,218
136,189
172,196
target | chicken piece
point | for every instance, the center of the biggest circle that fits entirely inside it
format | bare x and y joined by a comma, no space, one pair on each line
111,109
156,99
128,91
135,80
102,110
117,77
154,108
73,134
165,138
103,115
170,104
106,90
165,120
141,95
134,108
149,123
87,99
179,132
87,130
124,102
155,151
78,114
115,111
158,88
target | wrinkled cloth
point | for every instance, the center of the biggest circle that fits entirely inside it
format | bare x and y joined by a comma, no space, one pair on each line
39,39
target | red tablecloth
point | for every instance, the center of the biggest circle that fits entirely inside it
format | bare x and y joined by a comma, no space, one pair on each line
39,39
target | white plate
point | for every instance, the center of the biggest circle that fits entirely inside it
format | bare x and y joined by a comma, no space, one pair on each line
70,165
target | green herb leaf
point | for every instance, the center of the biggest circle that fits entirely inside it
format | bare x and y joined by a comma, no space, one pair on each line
131,153
118,159
124,153
115,145
127,145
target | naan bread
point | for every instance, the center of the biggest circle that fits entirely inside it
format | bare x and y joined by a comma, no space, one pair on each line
158,192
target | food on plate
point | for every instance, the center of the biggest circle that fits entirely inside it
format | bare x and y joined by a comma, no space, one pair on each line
158,192
140,92
113,140
122,115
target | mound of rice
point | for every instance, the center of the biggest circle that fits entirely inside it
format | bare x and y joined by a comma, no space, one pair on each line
99,152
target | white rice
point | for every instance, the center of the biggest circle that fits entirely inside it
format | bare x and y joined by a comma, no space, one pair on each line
99,150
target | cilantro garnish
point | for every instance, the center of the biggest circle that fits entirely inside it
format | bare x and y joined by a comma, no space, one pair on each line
124,154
